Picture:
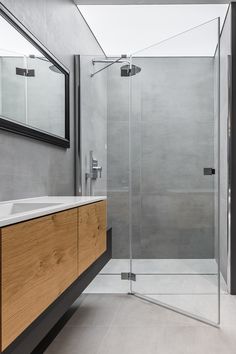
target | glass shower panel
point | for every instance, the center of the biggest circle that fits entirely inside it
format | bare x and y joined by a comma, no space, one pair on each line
118,177
93,123
174,106
104,121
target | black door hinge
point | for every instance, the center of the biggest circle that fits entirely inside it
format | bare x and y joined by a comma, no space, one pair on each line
128,276
25,72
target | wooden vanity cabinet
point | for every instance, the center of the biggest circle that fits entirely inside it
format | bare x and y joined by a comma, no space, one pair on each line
38,262
92,221
41,258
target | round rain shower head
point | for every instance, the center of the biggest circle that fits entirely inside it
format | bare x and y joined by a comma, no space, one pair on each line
55,69
125,70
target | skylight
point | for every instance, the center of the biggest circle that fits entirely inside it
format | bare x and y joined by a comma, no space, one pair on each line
127,29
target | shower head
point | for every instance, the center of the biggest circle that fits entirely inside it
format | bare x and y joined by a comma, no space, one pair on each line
55,69
125,70
52,67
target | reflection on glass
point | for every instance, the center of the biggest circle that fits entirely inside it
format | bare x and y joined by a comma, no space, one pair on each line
46,103
13,89
32,89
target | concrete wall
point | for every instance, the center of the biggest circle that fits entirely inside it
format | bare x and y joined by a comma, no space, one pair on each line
225,49
29,167
118,160
93,124
0,86
172,140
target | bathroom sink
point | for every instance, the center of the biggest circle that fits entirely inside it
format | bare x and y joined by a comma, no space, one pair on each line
9,209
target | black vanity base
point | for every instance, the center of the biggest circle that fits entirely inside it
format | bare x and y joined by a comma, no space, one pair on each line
35,335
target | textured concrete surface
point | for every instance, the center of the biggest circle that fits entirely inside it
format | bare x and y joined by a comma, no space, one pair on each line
29,167
93,117
117,324
172,140
225,50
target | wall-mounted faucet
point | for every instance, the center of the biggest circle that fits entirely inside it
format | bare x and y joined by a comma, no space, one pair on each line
95,171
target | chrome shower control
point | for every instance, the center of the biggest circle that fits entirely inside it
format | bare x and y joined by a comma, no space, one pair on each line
95,170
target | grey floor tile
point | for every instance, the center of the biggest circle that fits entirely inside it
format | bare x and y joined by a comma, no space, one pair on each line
104,300
122,324
136,312
161,266
96,310
195,340
174,284
228,310
196,277
108,284
205,306
78,340
132,340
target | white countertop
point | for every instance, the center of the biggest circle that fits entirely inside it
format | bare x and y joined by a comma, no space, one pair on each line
14,211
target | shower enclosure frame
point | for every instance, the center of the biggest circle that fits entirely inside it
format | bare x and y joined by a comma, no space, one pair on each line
131,275
232,156
79,191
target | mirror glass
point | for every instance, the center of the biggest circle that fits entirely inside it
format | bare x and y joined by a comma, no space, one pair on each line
33,86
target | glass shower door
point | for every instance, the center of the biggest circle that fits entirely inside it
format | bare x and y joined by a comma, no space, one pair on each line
173,174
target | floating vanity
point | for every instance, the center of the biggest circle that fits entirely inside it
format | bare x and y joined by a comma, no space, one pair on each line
51,249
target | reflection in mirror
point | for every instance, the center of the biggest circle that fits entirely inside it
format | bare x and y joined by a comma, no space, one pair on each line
33,86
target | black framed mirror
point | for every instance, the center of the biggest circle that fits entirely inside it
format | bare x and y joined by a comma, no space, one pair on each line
34,86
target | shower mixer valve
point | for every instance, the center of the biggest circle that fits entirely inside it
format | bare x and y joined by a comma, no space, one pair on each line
95,170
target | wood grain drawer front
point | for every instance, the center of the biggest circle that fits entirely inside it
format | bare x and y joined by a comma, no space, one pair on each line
39,261
92,223
101,239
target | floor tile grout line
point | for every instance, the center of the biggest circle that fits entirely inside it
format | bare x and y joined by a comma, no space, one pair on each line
156,274
109,328
160,294
94,325
103,340
158,326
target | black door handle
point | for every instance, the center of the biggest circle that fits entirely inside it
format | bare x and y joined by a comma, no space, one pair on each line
207,171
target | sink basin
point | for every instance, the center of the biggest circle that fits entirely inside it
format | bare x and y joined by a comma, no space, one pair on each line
9,209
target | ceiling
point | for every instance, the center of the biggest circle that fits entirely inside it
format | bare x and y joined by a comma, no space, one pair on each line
147,2
13,44
164,30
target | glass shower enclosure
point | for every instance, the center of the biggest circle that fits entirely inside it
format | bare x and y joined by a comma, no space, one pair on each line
174,173
161,119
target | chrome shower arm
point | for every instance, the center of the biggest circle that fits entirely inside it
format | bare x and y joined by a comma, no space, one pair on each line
107,61
107,66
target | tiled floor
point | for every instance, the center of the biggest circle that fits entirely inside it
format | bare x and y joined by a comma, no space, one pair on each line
159,277
162,266
108,321
124,324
